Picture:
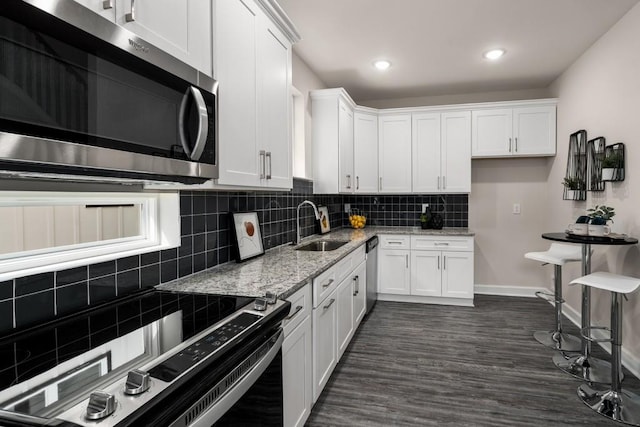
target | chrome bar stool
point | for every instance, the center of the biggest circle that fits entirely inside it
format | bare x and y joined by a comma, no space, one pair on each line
614,403
584,366
558,254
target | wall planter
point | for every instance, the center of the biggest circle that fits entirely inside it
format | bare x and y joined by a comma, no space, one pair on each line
575,181
613,163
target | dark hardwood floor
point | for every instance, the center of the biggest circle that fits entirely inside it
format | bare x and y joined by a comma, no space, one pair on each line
423,365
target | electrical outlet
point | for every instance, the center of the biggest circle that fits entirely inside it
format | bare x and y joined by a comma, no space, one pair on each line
424,206
516,208
347,207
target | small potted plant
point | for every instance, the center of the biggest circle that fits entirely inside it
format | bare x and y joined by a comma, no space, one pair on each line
600,215
610,164
572,185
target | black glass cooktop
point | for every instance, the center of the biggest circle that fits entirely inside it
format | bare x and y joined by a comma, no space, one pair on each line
64,356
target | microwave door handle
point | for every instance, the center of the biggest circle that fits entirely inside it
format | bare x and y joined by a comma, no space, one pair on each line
203,121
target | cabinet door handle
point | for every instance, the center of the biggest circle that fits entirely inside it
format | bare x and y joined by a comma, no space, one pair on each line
326,285
268,156
357,182
130,17
392,242
107,4
516,144
406,257
509,144
326,307
444,182
292,315
262,164
348,181
438,262
380,188
444,262
438,182
356,281
441,244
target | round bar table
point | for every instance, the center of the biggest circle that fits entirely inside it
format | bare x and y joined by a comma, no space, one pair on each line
584,366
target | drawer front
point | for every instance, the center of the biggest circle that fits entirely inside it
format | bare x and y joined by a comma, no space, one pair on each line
345,266
445,243
395,241
300,308
323,285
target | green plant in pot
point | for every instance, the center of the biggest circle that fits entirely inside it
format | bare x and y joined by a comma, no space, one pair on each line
609,165
572,183
601,214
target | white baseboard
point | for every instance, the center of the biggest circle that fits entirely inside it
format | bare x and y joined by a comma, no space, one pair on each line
426,300
629,360
507,291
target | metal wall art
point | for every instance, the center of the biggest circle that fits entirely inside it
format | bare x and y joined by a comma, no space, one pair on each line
613,163
595,155
575,180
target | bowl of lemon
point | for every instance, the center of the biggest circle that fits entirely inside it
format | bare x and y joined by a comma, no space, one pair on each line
357,219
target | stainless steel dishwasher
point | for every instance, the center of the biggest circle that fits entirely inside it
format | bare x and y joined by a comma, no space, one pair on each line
372,272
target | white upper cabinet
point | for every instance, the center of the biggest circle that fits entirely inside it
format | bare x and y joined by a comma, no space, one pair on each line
394,150
253,65
235,46
520,130
441,152
181,28
274,118
333,141
365,158
455,157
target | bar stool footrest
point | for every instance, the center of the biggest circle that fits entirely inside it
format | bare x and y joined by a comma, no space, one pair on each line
586,333
549,297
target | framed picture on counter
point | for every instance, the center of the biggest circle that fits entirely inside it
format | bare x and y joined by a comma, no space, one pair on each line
246,229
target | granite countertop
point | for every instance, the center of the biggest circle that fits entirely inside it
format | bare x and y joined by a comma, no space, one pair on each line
283,270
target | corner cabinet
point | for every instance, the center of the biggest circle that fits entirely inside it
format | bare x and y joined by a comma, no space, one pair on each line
333,141
521,130
426,269
253,65
441,152
365,150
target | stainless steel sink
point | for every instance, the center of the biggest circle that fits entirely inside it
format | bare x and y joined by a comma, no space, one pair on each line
322,245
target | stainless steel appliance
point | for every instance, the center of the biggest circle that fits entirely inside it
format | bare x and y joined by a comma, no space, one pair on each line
154,359
82,96
372,272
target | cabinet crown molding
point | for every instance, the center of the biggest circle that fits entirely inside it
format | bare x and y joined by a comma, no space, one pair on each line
281,19
333,93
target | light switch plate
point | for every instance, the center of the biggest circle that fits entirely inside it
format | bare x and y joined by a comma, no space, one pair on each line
516,208
347,207
424,206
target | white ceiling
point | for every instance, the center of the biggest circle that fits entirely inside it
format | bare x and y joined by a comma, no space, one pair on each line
436,46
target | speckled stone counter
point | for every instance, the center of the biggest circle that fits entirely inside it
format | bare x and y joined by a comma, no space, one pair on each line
283,270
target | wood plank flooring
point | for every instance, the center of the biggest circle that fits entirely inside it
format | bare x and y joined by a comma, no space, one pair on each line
428,365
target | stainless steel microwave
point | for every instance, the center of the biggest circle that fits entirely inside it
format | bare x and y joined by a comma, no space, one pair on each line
83,97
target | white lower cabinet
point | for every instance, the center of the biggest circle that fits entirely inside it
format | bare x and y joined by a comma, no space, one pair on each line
297,374
324,343
338,308
428,269
344,323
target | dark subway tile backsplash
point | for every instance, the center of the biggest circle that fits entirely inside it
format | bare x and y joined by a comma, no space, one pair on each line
207,240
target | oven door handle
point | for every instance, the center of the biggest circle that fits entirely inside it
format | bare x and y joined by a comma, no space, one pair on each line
194,152
213,414
11,419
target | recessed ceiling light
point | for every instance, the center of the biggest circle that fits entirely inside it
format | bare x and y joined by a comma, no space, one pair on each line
494,54
382,64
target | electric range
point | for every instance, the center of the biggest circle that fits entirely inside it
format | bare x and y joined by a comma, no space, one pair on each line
156,358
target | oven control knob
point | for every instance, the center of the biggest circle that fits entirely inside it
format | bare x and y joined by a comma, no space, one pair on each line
260,304
137,382
271,297
101,405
